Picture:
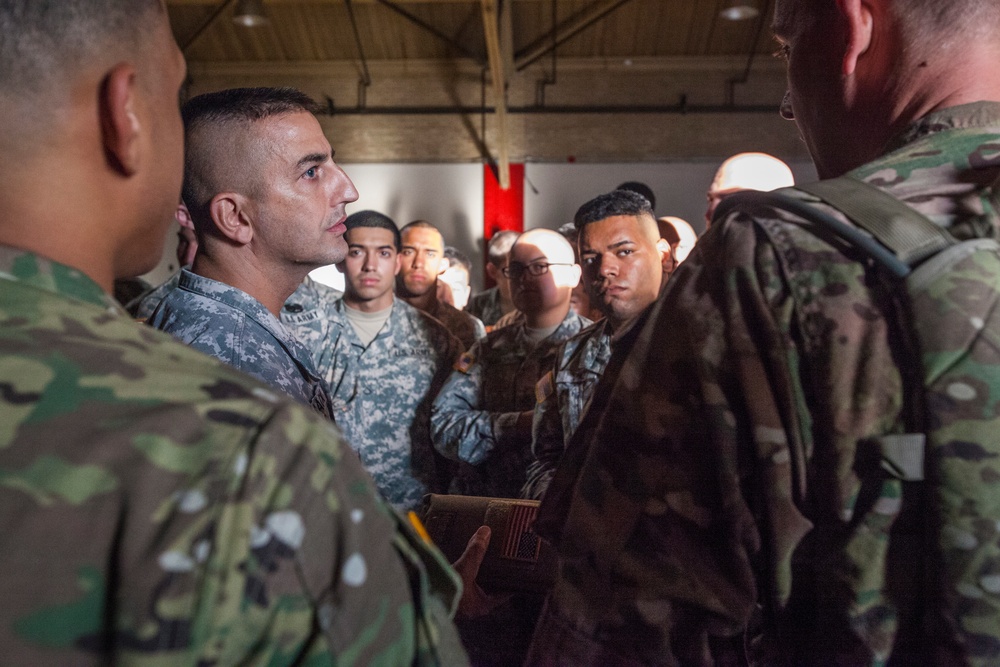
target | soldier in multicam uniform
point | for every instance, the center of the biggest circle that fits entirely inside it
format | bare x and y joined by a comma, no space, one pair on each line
385,361
625,264
482,417
724,471
421,262
268,204
492,304
159,507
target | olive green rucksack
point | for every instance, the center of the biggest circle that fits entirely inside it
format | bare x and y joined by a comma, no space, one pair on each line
949,297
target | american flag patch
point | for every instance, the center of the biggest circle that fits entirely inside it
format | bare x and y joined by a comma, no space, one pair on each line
521,542
464,363
544,388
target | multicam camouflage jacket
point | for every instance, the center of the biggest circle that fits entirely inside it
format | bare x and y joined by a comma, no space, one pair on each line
159,507
562,394
486,306
725,470
463,326
382,395
231,325
474,416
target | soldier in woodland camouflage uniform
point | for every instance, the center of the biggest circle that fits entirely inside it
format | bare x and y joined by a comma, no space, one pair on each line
385,361
724,471
482,417
159,507
268,205
422,260
625,263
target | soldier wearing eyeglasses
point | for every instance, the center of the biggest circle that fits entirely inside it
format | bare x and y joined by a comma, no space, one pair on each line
482,417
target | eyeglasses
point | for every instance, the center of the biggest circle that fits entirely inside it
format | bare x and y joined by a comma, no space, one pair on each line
515,270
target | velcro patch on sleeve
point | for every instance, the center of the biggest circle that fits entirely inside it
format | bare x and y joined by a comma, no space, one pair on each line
465,362
545,387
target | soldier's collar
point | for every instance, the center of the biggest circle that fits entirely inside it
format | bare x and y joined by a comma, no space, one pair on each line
963,116
31,269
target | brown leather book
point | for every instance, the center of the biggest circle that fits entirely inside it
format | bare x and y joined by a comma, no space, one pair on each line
517,559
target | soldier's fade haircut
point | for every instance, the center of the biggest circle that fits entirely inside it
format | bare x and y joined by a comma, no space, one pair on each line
44,43
639,188
245,105
611,204
376,220
212,162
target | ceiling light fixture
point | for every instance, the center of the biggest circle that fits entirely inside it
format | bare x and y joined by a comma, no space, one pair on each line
250,13
739,10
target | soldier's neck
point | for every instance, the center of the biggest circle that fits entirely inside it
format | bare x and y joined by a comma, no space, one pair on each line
271,288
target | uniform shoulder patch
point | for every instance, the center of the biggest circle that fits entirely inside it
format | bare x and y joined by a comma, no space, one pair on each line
544,387
465,362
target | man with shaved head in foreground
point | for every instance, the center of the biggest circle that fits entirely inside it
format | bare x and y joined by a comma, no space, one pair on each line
159,507
747,465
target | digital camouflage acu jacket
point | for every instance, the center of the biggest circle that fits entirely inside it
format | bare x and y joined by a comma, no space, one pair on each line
307,313
232,326
382,395
725,469
159,507
561,395
474,415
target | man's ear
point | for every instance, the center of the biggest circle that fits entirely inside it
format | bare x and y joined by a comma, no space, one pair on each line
492,272
666,259
399,264
120,127
859,25
229,215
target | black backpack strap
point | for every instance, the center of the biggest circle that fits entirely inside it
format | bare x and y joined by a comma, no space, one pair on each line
910,235
749,199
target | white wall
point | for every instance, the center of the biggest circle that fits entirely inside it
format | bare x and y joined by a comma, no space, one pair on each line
451,197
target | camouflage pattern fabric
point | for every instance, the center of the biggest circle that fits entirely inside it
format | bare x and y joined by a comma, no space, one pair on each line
463,326
307,314
382,395
475,413
162,508
231,325
561,395
486,306
143,305
725,468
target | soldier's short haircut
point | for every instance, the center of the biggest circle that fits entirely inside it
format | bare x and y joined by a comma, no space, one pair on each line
930,18
611,204
640,188
223,113
457,257
500,246
44,44
421,224
376,220
244,105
